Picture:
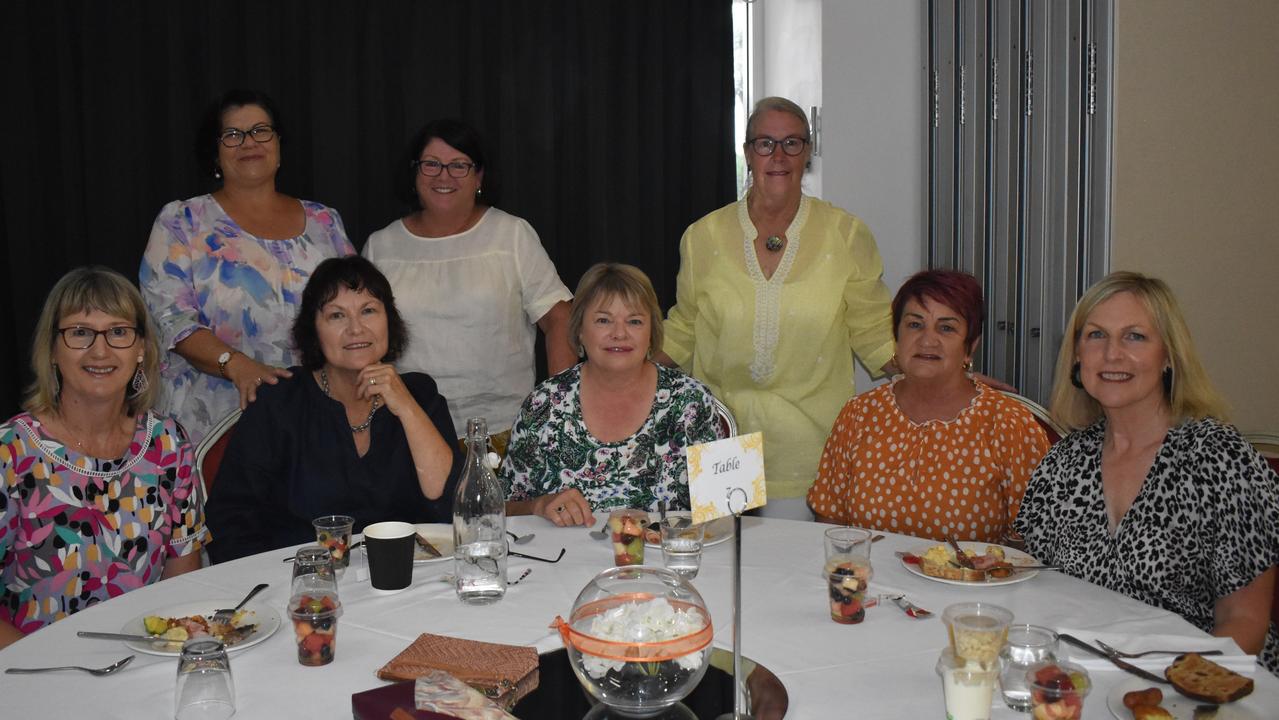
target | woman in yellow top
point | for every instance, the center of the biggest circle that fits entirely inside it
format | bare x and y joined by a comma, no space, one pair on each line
936,452
775,293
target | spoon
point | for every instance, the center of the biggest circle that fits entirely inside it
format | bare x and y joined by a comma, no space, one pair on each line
520,539
92,671
602,533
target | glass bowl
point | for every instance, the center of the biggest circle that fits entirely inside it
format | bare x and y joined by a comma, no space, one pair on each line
638,639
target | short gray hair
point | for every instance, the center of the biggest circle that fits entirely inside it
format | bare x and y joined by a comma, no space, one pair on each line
780,104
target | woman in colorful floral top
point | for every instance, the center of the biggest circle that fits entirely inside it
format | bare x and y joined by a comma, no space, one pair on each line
97,494
223,273
612,431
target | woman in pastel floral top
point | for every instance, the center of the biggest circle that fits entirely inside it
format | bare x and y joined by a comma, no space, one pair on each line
223,273
612,431
97,494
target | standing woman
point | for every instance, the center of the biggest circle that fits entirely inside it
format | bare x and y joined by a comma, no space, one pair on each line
97,493
472,282
775,294
223,273
1154,495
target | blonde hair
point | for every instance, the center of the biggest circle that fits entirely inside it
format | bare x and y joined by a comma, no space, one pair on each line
605,281
82,290
1193,395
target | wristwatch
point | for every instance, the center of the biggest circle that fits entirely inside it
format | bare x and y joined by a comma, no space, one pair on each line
223,359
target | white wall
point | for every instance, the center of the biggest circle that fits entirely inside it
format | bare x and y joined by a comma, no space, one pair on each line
792,61
874,68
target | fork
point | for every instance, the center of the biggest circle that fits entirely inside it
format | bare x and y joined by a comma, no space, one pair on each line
602,532
225,615
1122,654
92,671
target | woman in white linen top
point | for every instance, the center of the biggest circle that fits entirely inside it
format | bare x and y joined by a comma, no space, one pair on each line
471,281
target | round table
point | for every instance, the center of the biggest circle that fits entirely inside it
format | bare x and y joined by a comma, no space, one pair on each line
882,668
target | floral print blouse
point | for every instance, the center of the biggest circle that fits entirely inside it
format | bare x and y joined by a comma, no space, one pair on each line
552,450
201,270
69,540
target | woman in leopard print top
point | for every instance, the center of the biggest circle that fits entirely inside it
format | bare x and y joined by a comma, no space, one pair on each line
1155,496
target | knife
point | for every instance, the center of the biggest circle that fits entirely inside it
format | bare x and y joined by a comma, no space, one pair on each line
1122,665
126,637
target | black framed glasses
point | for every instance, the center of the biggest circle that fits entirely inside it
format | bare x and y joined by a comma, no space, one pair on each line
766,145
234,137
82,338
534,557
433,168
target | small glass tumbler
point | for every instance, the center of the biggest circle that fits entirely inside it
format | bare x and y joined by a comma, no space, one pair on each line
627,530
204,689
682,546
1026,645
334,533
313,572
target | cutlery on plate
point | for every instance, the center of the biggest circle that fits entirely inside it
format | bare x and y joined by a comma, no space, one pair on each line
520,539
1122,654
426,545
92,671
224,615
1119,663
960,557
909,607
602,533
125,637
352,546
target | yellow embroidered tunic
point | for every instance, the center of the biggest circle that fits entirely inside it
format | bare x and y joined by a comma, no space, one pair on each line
779,351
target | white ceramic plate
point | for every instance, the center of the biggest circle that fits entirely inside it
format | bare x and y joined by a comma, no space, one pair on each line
438,534
255,613
717,530
1016,557
1181,707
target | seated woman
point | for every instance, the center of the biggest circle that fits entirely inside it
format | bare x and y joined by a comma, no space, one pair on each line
346,434
935,452
1154,495
610,432
97,493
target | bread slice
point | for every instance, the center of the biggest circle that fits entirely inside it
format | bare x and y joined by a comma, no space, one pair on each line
950,571
1206,681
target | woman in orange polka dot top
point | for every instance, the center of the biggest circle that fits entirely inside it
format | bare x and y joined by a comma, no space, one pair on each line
934,452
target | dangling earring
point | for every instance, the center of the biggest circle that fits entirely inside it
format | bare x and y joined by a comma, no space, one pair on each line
217,173
1168,380
57,381
1074,376
140,383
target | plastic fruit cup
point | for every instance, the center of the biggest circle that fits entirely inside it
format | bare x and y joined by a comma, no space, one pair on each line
315,625
1057,690
627,530
334,533
847,591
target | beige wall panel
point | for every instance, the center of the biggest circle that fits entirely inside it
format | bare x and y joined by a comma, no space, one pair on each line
1196,180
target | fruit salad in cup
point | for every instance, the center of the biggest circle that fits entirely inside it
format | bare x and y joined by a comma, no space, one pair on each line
334,532
1057,690
627,530
847,581
315,625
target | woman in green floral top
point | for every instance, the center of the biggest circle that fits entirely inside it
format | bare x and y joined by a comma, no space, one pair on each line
610,432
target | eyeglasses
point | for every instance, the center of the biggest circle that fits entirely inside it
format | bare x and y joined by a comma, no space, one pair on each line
82,338
765,145
234,137
433,168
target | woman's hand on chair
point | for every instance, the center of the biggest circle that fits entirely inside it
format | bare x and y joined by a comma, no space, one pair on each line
565,508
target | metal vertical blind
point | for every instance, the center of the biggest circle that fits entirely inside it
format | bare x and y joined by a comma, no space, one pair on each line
1018,162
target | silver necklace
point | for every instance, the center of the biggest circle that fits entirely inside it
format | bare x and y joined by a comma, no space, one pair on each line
64,462
324,385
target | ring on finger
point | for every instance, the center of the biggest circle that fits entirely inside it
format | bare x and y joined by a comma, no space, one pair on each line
373,381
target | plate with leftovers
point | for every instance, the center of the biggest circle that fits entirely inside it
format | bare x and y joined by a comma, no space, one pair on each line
440,536
717,530
996,564
1176,705
251,625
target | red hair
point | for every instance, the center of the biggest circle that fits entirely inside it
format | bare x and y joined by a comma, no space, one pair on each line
955,289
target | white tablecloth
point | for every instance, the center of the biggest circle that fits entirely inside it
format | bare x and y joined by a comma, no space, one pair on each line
882,668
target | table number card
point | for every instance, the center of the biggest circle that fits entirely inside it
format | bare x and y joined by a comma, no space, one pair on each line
723,468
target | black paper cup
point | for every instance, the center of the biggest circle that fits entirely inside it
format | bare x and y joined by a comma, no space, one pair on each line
389,546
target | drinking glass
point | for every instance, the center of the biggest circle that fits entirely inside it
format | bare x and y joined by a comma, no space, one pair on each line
313,572
682,546
1026,645
204,686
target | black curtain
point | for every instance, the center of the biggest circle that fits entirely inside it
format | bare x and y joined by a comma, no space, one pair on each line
609,124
